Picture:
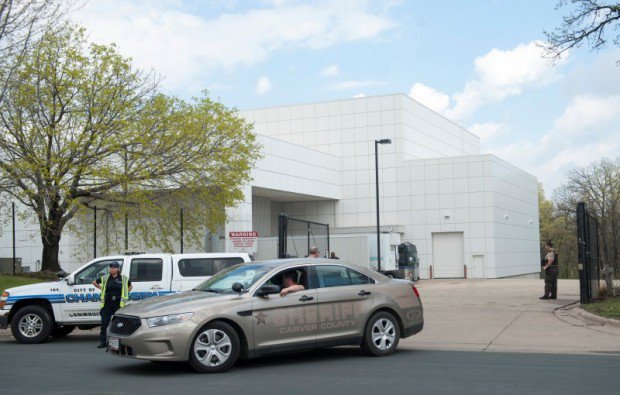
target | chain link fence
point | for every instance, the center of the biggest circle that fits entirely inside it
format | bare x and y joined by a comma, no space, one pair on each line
98,232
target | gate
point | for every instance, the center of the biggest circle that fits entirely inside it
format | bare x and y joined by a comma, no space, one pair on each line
297,236
589,261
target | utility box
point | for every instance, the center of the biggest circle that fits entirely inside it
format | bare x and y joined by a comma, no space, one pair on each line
6,265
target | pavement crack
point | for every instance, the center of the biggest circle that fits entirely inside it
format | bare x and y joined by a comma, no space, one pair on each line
502,331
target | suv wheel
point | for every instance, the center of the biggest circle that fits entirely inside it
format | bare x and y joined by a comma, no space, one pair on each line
215,348
31,324
381,335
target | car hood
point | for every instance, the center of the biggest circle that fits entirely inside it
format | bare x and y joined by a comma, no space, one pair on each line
182,302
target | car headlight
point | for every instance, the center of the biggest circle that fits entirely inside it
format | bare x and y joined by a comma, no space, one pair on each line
168,319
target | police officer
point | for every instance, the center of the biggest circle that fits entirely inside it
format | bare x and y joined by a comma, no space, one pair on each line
115,290
551,272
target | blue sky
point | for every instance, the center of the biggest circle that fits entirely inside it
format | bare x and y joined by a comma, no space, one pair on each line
475,62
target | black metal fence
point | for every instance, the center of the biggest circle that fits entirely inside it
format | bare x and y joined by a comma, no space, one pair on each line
589,260
297,236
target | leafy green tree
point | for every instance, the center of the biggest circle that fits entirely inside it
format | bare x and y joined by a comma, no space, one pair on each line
81,127
589,21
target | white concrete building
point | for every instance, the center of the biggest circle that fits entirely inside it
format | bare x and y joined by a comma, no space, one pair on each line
469,214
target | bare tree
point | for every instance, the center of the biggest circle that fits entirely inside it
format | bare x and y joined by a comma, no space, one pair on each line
589,21
598,185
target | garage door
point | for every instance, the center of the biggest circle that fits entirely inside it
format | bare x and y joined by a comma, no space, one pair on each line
448,255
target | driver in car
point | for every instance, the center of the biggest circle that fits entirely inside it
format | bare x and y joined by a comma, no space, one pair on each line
289,283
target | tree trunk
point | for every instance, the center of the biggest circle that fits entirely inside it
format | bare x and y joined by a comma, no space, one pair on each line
49,259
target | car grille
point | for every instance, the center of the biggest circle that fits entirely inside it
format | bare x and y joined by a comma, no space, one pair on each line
124,325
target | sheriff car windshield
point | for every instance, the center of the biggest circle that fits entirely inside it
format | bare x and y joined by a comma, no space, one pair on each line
222,282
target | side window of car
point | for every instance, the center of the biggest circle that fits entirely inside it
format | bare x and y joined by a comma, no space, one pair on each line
146,269
333,276
95,271
196,267
358,278
220,264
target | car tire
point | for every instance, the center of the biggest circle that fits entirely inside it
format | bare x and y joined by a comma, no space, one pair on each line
62,330
31,324
381,335
215,348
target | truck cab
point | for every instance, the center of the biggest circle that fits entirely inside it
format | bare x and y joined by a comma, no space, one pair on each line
37,311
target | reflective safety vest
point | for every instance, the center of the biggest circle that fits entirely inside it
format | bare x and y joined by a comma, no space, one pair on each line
124,291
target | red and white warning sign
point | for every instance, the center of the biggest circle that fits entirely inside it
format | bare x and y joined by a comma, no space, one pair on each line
245,240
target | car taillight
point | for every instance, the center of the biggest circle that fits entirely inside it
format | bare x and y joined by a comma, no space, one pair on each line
3,298
415,291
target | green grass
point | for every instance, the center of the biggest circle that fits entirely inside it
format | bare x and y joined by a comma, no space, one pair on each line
608,308
15,281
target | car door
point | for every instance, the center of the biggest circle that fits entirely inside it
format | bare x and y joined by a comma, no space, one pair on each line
82,299
285,322
345,298
150,276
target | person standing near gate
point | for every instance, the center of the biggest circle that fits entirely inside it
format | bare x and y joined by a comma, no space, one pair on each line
551,272
115,290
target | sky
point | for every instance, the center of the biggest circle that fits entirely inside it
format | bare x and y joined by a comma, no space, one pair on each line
477,62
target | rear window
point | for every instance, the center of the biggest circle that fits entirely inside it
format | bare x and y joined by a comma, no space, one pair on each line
197,267
146,269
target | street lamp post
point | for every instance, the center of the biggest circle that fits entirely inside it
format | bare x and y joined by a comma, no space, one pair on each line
377,142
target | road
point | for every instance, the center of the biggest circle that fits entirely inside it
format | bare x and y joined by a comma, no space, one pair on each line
74,366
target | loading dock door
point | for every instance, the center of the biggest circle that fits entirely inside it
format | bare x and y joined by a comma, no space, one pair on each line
448,255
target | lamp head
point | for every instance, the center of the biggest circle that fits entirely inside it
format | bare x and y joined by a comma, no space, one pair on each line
384,141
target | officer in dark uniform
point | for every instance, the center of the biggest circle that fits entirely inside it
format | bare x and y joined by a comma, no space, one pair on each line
115,290
551,272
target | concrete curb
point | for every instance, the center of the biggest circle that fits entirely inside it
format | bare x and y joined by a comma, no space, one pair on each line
598,319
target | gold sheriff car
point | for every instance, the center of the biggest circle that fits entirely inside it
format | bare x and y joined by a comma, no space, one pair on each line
259,308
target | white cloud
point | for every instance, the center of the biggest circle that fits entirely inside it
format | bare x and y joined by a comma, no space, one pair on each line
353,84
499,74
330,71
185,46
431,98
587,130
359,96
263,85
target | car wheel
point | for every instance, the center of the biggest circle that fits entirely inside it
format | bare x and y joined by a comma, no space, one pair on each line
62,330
31,324
381,335
215,348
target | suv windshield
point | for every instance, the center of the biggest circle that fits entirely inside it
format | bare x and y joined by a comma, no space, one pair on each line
244,274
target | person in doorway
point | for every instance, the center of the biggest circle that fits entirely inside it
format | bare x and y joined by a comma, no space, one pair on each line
551,272
314,252
333,255
115,289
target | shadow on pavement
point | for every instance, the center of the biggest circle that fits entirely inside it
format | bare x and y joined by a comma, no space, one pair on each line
339,354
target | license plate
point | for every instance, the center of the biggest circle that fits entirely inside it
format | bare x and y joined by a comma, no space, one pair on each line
113,343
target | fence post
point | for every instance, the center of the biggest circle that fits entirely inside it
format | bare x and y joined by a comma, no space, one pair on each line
95,232
181,231
328,248
282,232
582,254
126,232
14,252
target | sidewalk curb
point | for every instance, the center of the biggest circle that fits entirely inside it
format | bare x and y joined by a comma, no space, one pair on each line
593,317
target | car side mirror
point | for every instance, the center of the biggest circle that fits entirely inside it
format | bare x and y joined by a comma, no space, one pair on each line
237,287
61,274
268,290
